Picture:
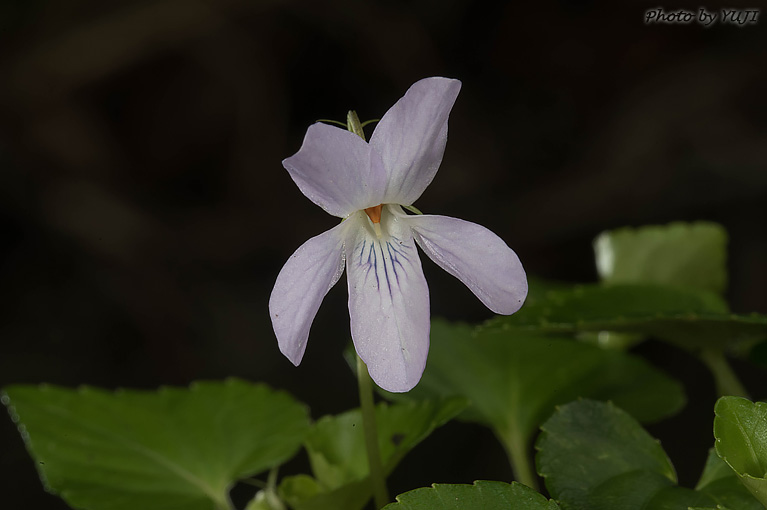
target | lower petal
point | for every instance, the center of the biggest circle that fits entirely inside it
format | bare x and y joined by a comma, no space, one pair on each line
476,256
388,304
300,288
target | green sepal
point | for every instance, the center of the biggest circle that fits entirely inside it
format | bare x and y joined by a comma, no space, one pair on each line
413,209
354,125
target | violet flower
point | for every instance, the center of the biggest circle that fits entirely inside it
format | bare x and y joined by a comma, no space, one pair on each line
367,184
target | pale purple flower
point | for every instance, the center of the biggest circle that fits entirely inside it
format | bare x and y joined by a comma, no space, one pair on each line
367,184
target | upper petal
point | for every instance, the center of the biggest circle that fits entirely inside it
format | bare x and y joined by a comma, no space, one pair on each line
411,137
476,256
388,303
337,170
301,285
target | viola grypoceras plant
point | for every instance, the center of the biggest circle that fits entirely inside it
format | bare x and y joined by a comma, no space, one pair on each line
367,184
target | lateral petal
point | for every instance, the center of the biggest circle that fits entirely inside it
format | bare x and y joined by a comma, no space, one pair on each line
337,170
302,284
388,302
476,256
411,137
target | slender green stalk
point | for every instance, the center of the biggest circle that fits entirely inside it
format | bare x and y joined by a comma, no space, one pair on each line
727,383
521,463
377,478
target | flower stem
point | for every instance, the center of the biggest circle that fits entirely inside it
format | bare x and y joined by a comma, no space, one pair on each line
377,478
521,464
727,383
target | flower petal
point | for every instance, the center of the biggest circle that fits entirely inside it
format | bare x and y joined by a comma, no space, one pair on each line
301,285
476,256
388,303
411,137
337,170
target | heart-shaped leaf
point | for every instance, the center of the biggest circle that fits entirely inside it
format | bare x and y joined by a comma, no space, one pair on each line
174,448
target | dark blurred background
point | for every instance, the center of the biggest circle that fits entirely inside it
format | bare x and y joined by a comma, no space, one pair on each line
145,212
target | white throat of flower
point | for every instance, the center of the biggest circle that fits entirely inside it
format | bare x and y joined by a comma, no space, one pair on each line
374,213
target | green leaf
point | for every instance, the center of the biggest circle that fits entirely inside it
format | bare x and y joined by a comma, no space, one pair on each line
592,454
175,448
480,496
514,380
721,483
595,456
336,444
336,448
693,319
297,488
682,254
740,429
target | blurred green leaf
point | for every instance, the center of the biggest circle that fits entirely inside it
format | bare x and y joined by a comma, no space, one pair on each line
691,255
682,254
515,379
740,429
539,288
297,488
721,483
692,319
758,354
480,496
595,456
592,303
265,500
351,496
338,457
175,448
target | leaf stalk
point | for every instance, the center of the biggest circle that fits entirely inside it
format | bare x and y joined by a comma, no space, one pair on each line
727,383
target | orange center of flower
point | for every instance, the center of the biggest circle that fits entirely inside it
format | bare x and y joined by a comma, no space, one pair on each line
374,213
